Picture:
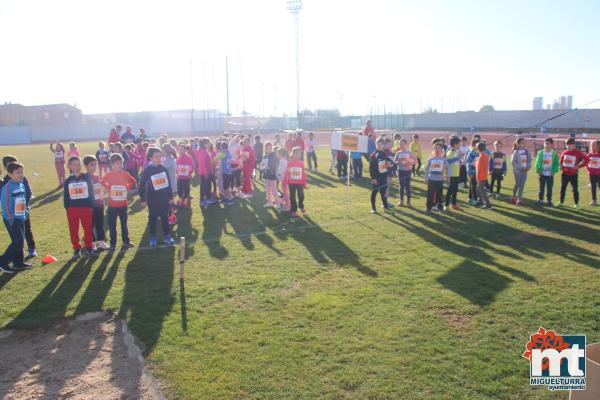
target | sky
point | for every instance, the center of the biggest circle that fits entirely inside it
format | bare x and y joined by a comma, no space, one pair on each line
358,57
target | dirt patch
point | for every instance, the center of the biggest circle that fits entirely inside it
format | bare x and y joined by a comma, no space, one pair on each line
92,357
454,318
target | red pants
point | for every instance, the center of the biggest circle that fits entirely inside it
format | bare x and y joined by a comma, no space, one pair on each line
247,185
75,215
60,172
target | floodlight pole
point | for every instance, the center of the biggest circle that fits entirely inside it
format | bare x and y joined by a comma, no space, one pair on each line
294,7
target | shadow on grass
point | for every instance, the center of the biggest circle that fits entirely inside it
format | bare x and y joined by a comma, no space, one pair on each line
46,198
184,228
213,227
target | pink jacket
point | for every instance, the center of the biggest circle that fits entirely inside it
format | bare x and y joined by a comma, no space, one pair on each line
295,173
204,162
185,167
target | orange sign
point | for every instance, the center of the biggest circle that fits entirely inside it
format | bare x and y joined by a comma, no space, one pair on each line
349,142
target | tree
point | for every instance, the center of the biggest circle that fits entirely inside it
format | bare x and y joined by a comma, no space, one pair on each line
486,108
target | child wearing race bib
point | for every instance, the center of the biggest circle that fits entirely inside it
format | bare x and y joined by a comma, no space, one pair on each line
118,183
311,151
268,168
248,159
296,178
73,150
483,166
14,213
497,167
546,166
570,161
156,193
59,161
102,157
593,168
259,150
91,166
415,148
521,163
405,160
185,168
470,162
79,203
283,156
6,161
436,171
169,161
379,164
454,157
205,170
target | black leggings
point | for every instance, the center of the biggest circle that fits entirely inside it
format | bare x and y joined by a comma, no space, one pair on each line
156,211
498,179
98,224
473,188
594,182
463,175
294,188
183,188
546,182
381,187
435,193
404,177
204,187
29,234
342,167
312,157
573,180
452,190
416,168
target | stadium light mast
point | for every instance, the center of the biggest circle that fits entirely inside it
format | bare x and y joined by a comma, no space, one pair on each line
294,7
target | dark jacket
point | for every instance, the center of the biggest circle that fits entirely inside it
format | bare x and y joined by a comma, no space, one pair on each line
79,191
155,185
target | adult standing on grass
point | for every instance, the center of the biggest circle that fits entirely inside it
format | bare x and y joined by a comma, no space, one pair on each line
59,161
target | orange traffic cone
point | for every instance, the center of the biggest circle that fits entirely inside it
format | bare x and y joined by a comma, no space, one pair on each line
48,259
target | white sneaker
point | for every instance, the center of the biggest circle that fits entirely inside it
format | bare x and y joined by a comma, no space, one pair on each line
267,205
594,203
102,245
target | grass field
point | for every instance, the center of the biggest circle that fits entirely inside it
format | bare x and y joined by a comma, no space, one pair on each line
341,304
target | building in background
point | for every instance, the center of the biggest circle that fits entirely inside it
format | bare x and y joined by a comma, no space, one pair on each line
538,103
44,115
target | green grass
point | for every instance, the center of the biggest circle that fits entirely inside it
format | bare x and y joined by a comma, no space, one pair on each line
342,304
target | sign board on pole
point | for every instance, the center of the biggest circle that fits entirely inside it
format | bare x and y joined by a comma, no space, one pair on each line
347,141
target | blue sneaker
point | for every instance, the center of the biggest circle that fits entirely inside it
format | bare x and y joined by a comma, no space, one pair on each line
169,240
153,241
203,203
32,253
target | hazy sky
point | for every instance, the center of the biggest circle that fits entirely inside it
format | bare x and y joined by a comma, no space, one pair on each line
130,55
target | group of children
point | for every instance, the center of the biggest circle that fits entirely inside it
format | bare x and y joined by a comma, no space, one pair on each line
481,168
160,171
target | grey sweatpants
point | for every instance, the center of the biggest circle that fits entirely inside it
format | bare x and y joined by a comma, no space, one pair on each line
482,192
520,178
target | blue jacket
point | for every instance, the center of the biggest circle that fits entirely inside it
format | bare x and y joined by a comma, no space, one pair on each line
470,158
14,201
28,192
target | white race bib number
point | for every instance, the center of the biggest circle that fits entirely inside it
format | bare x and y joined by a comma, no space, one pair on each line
295,173
78,190
498,163
523,160
98,192
594,162
59,155
160,181
404,161
436,166
20,207
382,165
118,193
569,161
183,170
102,158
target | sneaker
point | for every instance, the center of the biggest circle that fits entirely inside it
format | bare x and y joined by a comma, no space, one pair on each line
428,210
211,201
549,204
471,201
576,206
497,195
441,208
446,208
22,267
6,269
400,204
76,254
513,200
229,203
456,208
373,211
90,252
153,241
539,203
101,245
559,205
486,206
294,214
267,205
593,203
203,203
408,204
128,245
519,203
303,211
32,253
169,240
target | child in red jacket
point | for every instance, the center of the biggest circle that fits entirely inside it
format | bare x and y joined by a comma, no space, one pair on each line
593,168
296,178
570,161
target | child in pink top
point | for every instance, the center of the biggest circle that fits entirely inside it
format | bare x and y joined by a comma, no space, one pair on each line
185,168
73,150
296,178
593,168
248,158
59,161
